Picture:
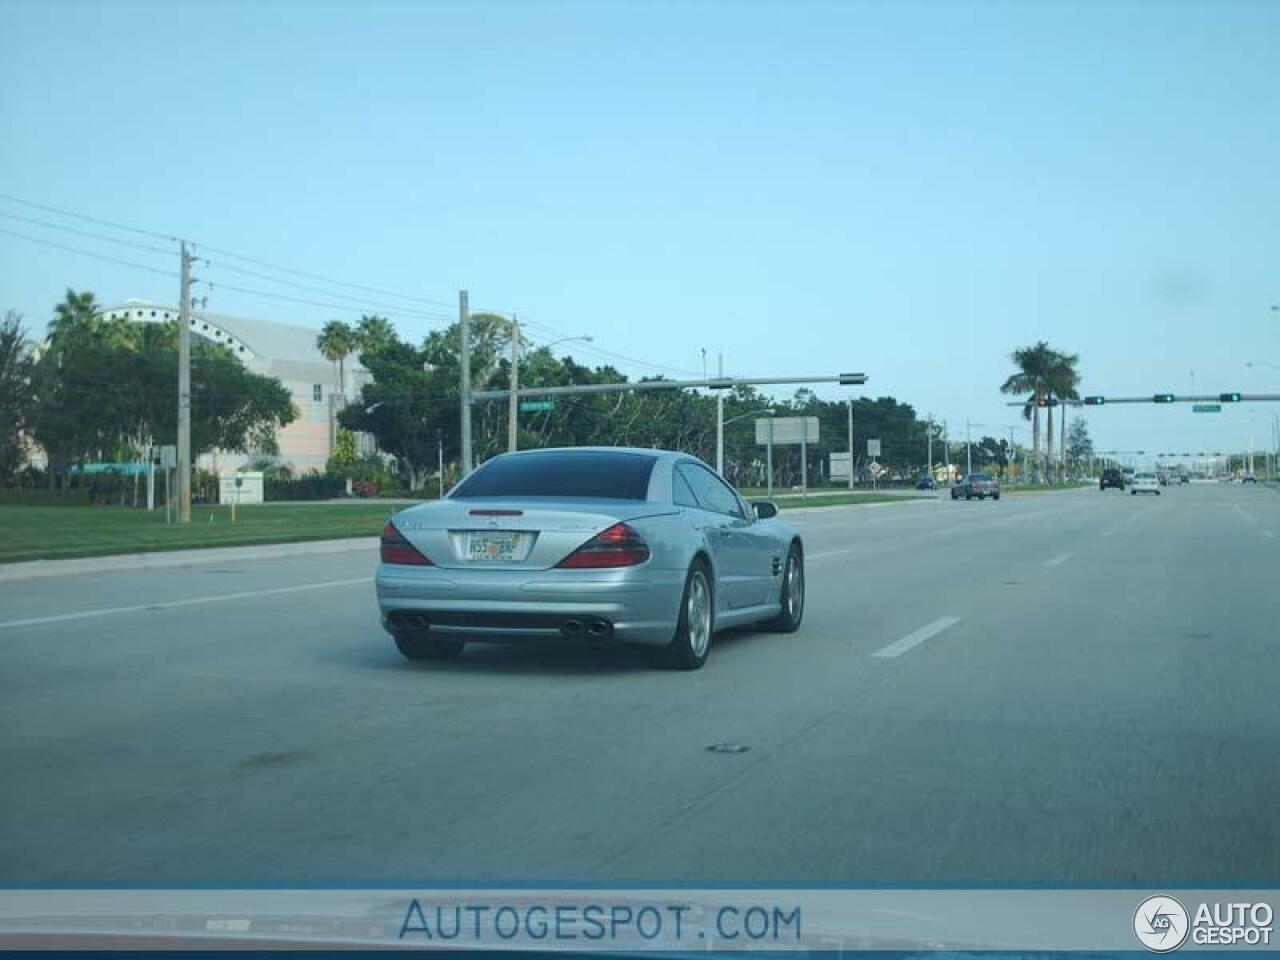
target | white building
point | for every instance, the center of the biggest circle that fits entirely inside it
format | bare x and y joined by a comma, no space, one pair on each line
279,350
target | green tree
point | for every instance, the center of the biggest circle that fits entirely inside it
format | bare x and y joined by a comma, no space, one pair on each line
1079,443
342,462
1035,365
16,368
1063,380
105,389
374,331
337,341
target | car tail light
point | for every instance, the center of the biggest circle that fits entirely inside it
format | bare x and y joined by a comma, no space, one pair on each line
618,546
396,549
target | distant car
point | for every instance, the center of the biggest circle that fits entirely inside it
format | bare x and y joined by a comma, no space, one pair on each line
980,485
1163,479
1111,477
1144,483
1249,479
1183,478
926,483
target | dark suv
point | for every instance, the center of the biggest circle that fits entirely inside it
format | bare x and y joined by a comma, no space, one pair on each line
1111,478
980,485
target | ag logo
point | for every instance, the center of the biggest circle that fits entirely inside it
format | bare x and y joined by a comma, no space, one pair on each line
1161,924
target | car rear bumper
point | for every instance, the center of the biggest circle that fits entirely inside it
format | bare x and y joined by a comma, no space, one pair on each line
639,604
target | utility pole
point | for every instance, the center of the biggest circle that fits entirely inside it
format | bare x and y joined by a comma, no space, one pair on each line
851,441
184,390
929,435
440,461
720,420
968,447
513,412
464,386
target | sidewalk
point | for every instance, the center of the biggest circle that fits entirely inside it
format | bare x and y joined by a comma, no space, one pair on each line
169,559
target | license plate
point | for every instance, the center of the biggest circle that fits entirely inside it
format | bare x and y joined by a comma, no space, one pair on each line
495,547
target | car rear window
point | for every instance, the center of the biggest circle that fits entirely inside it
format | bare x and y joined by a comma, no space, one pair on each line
562,473
980,477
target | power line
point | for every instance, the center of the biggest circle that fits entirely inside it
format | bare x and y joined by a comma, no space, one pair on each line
83,216
601,351
402,311
315,303
89,233
88,253
225,253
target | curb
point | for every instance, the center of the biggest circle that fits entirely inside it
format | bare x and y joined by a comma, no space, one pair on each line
169,559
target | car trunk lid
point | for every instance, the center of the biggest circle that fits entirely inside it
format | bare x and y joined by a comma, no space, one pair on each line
533,533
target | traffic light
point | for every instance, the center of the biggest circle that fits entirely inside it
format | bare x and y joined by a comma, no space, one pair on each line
1094,401
1162,398
1229,397
850,379
1046,401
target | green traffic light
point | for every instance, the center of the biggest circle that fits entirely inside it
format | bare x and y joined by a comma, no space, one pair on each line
1162,398
1094,401
1229,397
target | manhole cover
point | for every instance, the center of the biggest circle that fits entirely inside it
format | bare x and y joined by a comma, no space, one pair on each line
728,748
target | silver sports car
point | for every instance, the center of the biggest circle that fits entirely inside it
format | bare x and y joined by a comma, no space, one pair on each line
601,543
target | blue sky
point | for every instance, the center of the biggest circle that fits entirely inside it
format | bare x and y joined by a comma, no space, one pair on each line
908,190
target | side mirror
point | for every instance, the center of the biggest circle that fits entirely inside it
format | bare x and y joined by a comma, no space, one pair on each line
765,509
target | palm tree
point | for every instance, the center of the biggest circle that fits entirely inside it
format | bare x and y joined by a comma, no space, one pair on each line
336,341
1034,365
1063,380
373,331
75,310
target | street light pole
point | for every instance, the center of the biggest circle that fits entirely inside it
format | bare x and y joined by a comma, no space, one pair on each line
850,441
464,385
720,420
968,448
512,415
929,435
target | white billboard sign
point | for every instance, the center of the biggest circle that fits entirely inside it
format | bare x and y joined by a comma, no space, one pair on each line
786,430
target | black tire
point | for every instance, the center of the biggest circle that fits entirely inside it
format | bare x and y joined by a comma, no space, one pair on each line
995,496
1133,493
683,652
423,646
968,496
792,614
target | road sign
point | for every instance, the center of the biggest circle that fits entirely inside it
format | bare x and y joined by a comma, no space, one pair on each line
533,406
873,448
786,431
168,457
876,469
1206,408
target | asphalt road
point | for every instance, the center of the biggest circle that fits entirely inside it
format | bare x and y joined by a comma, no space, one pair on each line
1069,688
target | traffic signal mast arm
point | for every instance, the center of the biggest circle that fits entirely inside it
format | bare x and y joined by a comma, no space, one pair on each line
714,383
1098,401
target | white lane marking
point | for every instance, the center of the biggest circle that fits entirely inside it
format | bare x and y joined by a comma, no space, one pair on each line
827,553
1244,513
1124,523
172,604
903,644
1060,558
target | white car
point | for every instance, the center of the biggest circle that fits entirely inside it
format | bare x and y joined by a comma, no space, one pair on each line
1144,483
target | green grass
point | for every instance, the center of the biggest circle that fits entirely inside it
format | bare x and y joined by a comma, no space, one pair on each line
52,533
45,533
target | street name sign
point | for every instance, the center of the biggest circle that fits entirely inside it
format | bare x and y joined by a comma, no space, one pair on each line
533,406
1206,408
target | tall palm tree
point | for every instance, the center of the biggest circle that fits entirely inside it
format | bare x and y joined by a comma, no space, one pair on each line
336,341
1034,364
1063,380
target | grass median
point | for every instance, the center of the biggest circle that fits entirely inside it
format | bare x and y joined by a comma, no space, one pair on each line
49,533
57,533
